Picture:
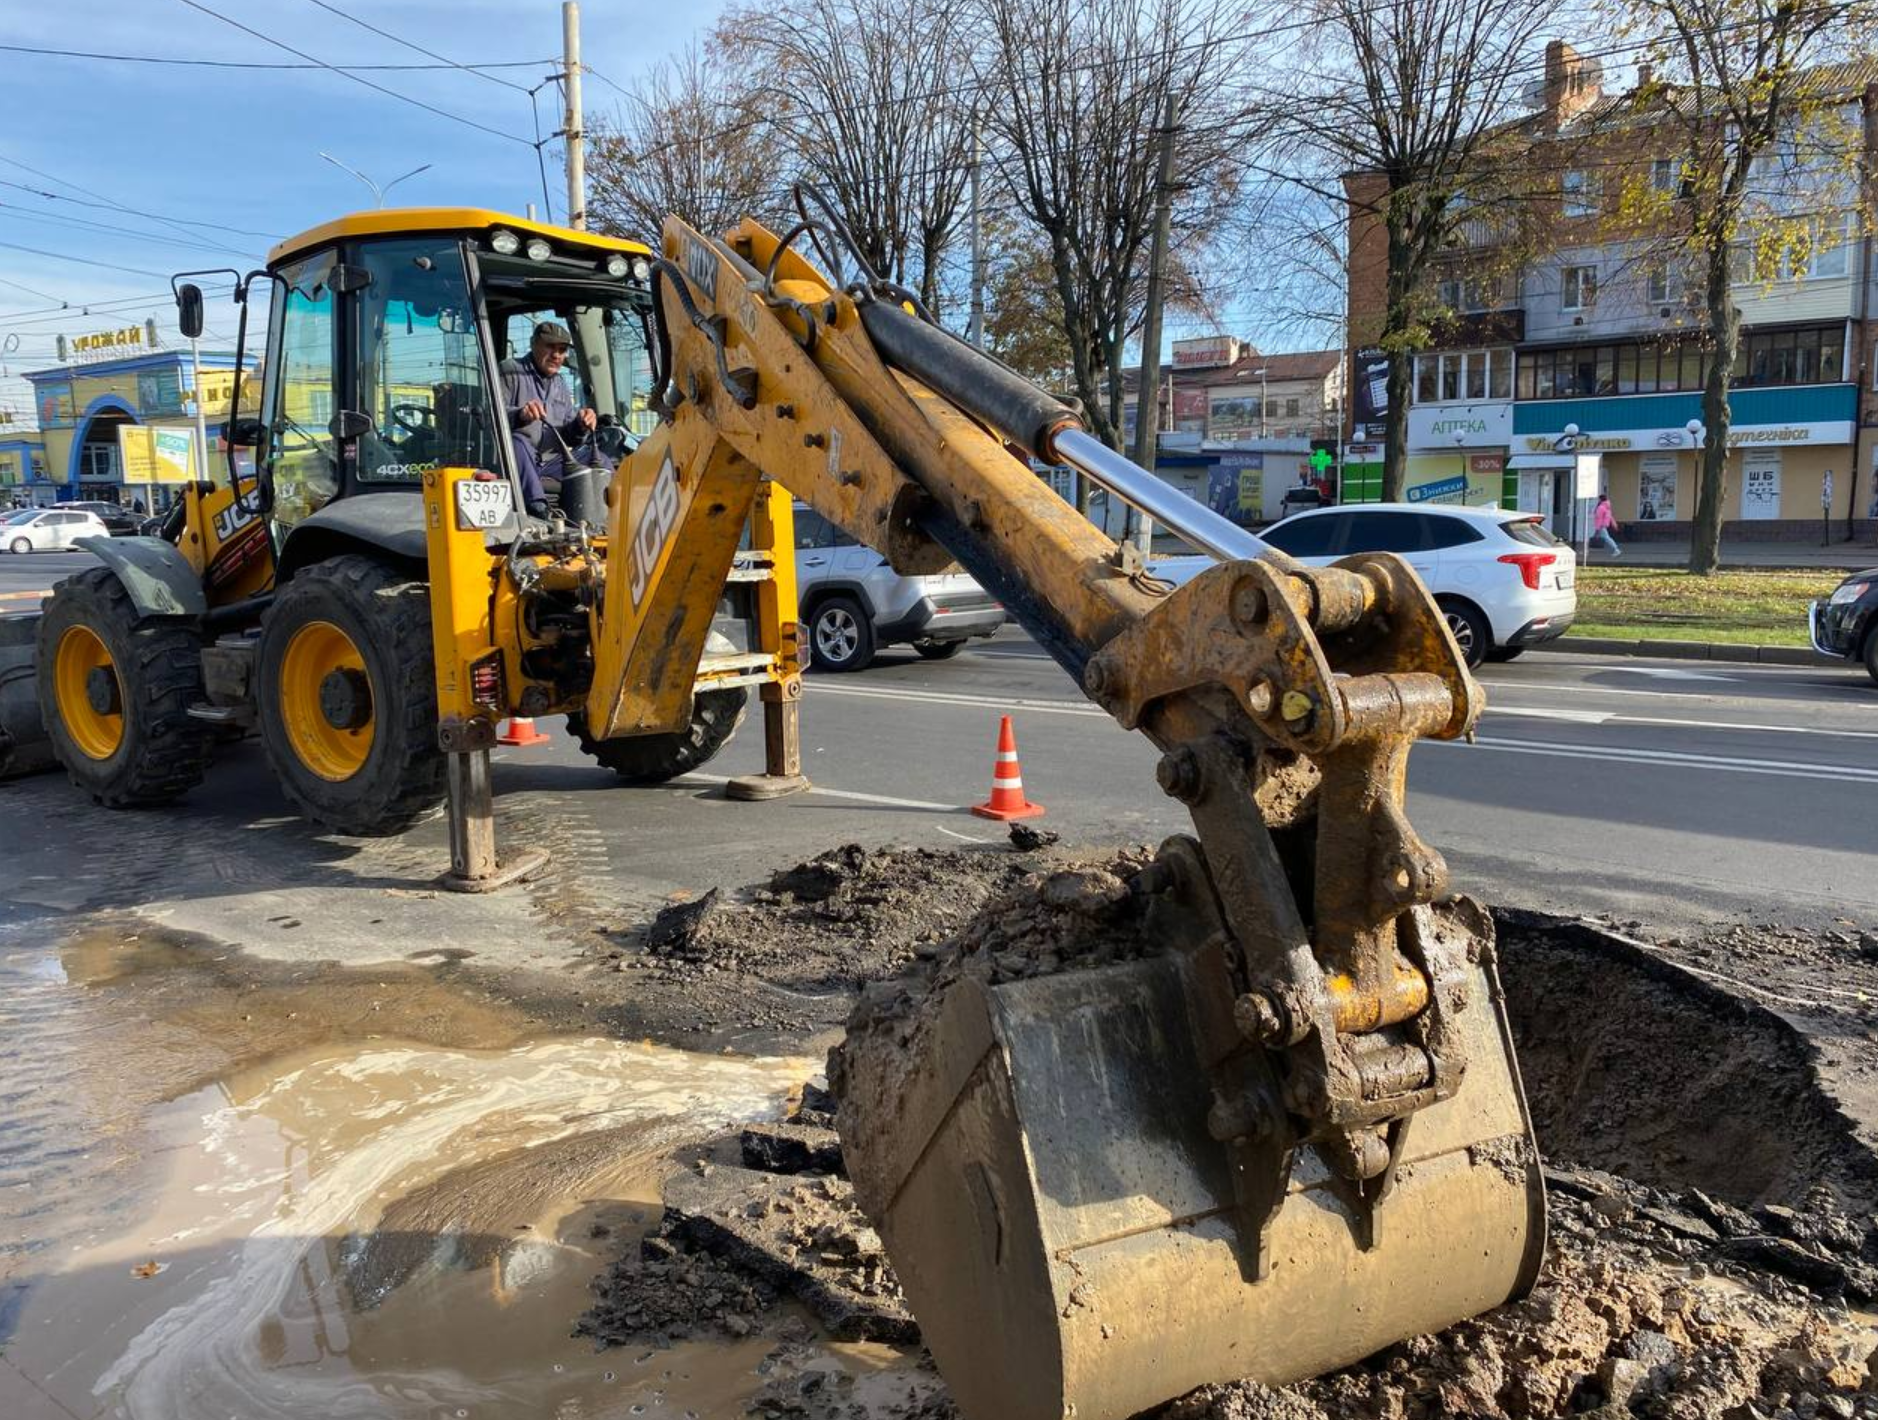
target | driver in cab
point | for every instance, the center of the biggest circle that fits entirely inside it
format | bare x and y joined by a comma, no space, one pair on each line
546,427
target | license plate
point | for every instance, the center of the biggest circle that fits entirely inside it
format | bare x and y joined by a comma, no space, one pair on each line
483,504
1567,580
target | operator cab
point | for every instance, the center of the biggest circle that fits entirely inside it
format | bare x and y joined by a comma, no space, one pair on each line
386,335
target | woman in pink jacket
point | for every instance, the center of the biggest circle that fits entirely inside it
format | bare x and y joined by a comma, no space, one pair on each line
1603,523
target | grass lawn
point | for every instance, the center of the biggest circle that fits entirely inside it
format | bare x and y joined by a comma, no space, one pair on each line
1661,603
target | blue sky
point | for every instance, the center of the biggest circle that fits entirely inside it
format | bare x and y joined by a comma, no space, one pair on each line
240,147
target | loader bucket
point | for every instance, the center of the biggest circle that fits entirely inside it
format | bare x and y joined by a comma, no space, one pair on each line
25,747
1036,1159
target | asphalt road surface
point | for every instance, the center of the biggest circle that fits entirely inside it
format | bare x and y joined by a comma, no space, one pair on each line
1670,792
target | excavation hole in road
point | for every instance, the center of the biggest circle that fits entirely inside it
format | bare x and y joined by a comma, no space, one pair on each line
1635,1066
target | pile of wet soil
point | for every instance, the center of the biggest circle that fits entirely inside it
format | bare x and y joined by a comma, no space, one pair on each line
831,923
1711,1197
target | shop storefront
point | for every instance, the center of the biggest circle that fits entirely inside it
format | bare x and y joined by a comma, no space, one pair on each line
98,421
22,471
1787,448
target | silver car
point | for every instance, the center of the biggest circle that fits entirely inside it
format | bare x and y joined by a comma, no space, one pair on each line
49,529
853,603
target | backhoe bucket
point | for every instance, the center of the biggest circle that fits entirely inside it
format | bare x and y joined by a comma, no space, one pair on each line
1037,1160
25,747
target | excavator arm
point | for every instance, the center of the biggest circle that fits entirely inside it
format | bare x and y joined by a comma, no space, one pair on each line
1244,1195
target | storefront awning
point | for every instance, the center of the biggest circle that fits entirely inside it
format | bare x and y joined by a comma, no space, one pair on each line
1519,461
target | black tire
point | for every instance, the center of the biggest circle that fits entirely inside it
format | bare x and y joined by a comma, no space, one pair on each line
1871,653
841,636
1502,654
20,547
386,616
1472,633
938,650
653,759
162,752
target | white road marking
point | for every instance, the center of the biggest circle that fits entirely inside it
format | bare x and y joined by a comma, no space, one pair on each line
1839,773
1494,711
1668,673
942,697
886,800
962,837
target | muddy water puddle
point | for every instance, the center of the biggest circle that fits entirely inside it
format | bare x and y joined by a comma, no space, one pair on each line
368,1227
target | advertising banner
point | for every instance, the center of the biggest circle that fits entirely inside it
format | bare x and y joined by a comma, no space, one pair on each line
1369,395
1656,488
153,455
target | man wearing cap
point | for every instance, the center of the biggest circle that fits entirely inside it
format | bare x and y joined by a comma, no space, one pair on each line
542,418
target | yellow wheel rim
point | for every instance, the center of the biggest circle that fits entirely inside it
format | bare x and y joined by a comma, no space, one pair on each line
334,751
97,732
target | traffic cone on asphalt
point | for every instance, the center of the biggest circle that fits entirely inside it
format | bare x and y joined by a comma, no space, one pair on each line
1007,799
520,730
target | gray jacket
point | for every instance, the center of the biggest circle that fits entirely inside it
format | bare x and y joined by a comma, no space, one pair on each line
521,383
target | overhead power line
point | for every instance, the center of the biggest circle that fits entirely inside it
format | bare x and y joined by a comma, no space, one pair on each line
137,212
356,78
332,9
185,62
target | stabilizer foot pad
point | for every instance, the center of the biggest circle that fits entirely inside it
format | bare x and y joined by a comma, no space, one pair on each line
757,787
521,866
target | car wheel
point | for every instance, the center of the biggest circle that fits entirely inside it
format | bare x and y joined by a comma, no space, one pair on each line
841,635
1471,631
938,650
1871,653
20,546
1506,653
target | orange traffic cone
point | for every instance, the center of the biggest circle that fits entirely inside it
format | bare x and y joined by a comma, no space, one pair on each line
1007,799
520,731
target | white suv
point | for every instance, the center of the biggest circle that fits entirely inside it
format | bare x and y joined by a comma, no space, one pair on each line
852,603
1504,581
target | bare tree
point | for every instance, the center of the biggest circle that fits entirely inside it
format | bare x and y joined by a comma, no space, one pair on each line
688,143
1410,96
1074,92
871,101
1765,164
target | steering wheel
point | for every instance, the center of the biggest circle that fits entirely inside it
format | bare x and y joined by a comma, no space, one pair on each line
413,418
611,438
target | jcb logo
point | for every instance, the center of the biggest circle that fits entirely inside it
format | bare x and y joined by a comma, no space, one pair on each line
236,516
656,526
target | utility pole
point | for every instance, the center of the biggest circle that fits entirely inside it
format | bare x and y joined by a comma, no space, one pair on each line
975,330
1148,383
572,131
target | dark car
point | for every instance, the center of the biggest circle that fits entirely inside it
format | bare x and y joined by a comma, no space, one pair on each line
1846,623
119,521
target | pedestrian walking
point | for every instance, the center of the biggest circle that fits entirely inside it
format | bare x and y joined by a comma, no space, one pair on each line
1603,524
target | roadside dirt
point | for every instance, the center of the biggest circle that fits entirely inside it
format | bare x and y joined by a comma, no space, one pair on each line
1712,1180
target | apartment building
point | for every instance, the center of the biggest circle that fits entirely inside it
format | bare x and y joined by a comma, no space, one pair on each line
1582,336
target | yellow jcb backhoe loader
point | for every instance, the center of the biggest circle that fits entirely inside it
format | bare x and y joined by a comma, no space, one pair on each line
1293,1137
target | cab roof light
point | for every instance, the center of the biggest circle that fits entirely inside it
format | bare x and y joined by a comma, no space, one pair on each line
538,249
504,242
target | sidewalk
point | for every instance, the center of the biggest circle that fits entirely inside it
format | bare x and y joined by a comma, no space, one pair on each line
1841,556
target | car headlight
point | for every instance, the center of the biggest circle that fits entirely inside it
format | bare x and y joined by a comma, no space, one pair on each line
1850,592
538,249
504,242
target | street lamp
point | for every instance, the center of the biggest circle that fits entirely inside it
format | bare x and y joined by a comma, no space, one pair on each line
1696,433
378,193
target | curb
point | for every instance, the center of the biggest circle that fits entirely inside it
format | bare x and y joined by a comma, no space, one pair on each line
1691,651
